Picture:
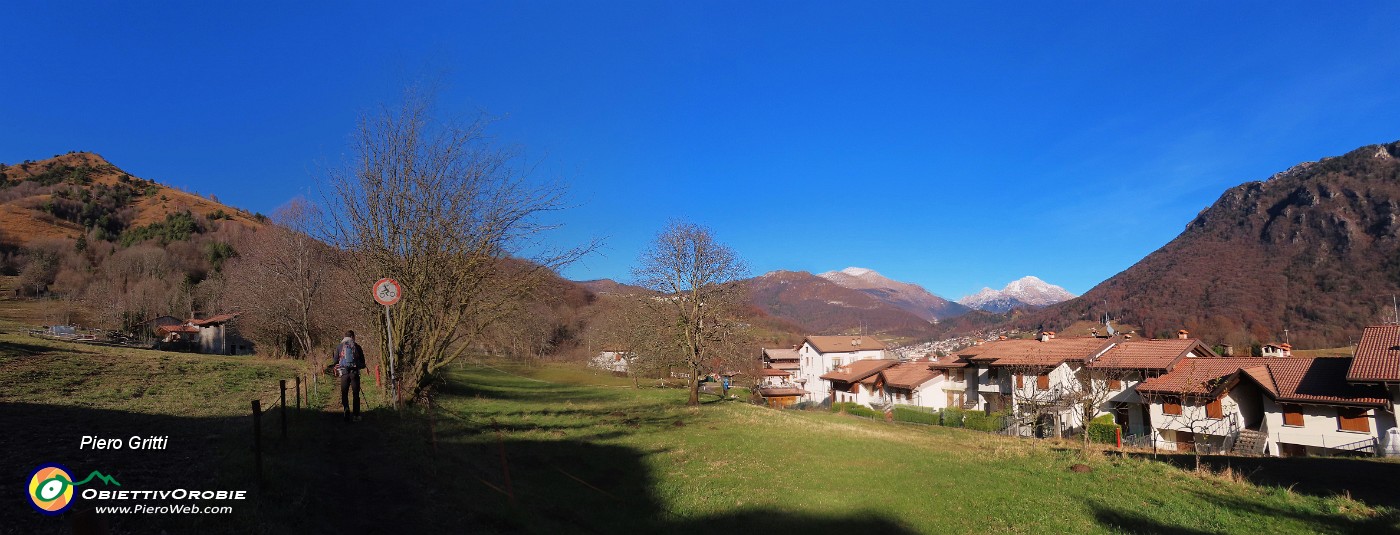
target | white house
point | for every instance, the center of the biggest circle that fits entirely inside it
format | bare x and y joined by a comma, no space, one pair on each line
1036,378
912,383
610,360
856,382
1118,371
1280,406
819,355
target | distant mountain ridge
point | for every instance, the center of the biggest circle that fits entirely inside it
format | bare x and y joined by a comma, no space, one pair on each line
908,297
824,307
1026,292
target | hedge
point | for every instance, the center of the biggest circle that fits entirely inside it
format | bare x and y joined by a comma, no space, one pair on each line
902,414
983,422
1102,429
856,409
953,417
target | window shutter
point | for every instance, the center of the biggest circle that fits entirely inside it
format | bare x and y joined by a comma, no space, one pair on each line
1020,380
1171,405
1353,420
1292,415
1213,409
1042,381
1115,384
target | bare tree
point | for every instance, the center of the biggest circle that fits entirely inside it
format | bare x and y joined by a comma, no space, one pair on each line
1093,388
442,210
696,312
281,281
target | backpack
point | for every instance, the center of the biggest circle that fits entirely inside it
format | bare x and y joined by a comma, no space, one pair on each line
349,358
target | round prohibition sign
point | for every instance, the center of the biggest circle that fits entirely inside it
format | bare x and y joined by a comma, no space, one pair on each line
387,292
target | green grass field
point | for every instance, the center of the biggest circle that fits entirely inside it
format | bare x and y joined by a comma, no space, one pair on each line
555,449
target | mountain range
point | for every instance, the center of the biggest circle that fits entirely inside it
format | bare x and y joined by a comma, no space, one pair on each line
1026,292
1309,255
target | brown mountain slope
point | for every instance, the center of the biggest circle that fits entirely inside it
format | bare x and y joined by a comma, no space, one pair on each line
908,297
45,200
824,307
1313,250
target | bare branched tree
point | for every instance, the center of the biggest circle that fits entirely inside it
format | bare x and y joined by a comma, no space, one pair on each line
695,314
444,211
283,282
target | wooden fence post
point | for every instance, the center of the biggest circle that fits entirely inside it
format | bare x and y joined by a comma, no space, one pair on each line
257,439
283,384
298,394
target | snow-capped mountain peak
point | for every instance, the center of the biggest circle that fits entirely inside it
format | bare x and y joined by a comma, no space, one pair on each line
1028,291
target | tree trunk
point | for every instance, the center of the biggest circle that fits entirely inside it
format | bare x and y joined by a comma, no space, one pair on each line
694,384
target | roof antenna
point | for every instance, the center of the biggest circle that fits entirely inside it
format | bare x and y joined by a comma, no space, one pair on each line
1395,306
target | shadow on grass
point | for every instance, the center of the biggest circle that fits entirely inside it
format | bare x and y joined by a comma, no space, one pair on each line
28,350
1369,481
384,474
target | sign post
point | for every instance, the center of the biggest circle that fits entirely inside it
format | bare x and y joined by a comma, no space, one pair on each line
387,292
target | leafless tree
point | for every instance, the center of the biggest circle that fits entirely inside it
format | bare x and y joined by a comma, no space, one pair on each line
695,313
282,283
1033,401
1092,389
444,211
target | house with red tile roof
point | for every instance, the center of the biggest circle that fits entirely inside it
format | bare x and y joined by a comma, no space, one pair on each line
782,359
1117,372
911,383
1278,406
218,335
819,355
1034,379
857,382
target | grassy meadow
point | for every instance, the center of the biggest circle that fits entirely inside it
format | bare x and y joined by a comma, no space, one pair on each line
554,449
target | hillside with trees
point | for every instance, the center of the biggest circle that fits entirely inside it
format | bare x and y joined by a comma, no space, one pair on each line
1314,250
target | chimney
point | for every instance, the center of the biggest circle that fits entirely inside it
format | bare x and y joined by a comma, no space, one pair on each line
1044,336
1183,334
1052,335
1127,336
1287,349
1227,350
1002,337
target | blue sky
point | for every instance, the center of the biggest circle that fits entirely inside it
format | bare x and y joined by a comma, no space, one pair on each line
952,145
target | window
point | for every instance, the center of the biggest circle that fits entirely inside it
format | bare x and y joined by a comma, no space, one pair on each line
1292,415
1115,384
1171,405
1353,420
1020,380
1042,381
1213,409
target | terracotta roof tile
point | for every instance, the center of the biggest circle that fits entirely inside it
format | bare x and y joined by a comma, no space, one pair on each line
1150,354
1295,379
1377,355
858,370
222,318
844,344
1322,380
772,372
908,375
950,361
1037,353
780,354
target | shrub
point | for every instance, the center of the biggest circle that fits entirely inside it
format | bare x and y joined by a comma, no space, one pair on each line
855,409
1102,429
953,417
916,416
990,423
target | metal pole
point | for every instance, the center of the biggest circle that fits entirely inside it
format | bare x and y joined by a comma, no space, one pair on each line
389,324
282,384
257,439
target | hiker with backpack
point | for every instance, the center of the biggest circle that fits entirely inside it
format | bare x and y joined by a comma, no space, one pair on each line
349,360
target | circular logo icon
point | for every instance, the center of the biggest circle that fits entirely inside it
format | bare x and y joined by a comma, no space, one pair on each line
51,489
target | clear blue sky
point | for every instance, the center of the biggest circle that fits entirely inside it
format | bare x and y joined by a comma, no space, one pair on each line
955,146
